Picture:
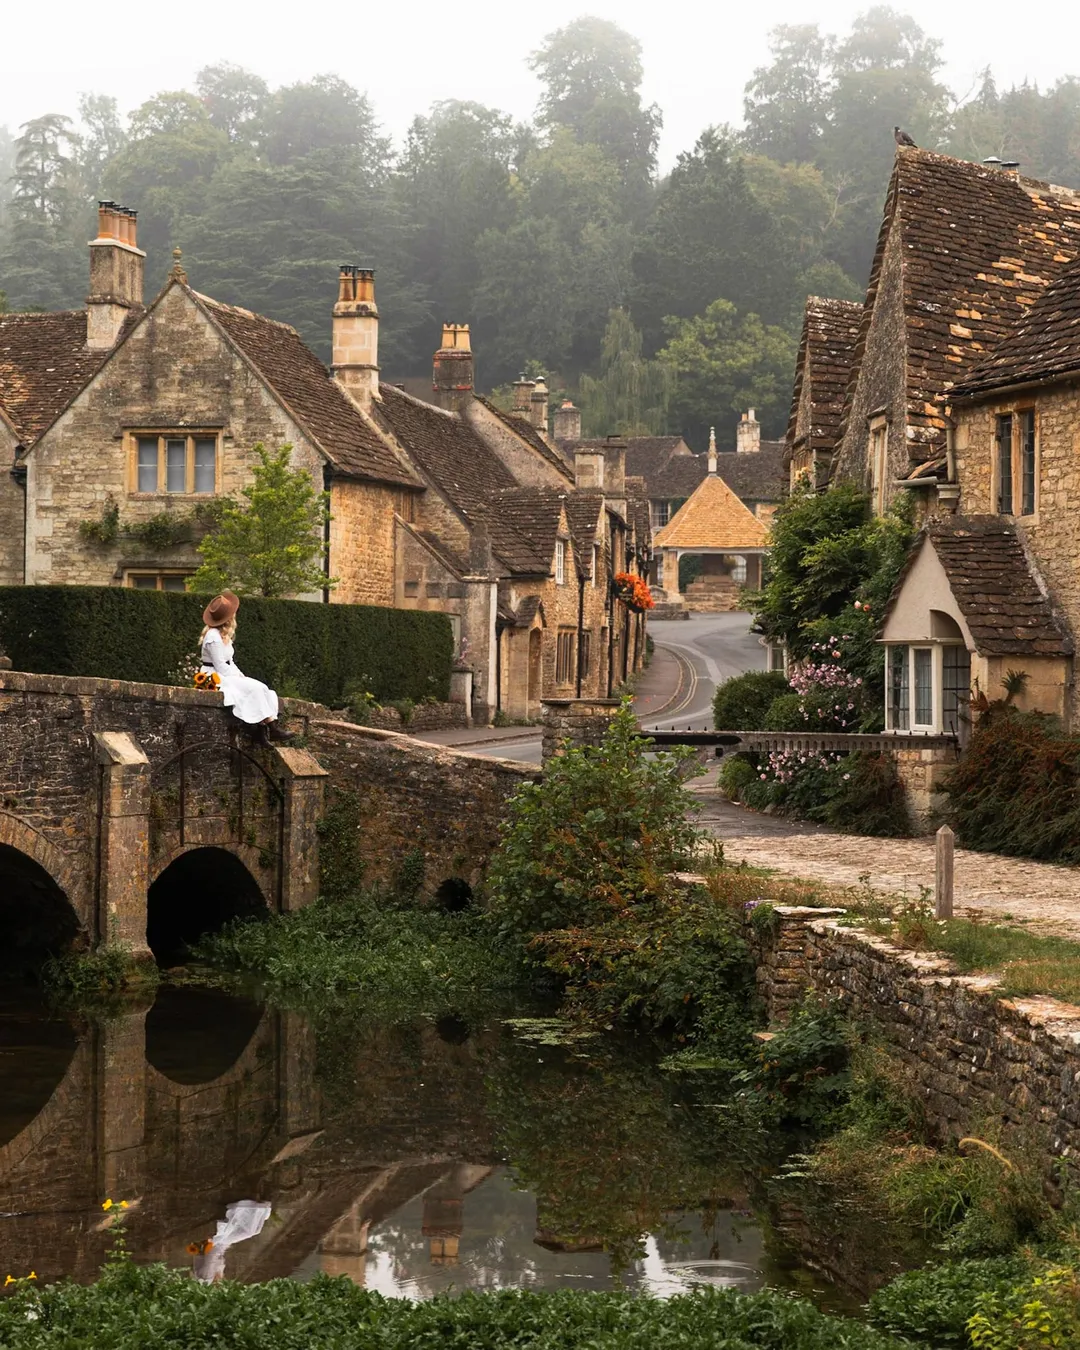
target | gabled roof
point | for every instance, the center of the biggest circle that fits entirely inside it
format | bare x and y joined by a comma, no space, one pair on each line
990,577
830,332
313,398
713,518
524,525
521,426
1043,345
978,247
583,509
44,363
755,475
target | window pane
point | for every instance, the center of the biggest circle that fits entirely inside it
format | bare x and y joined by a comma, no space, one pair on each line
205,466
144,583
924,686
955,687
1004,457
148,452
898,688
1027,462
173,583
176,466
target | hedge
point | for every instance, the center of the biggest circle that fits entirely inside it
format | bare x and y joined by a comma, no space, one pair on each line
303,649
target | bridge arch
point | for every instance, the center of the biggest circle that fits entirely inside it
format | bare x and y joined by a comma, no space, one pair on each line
195,891
39,903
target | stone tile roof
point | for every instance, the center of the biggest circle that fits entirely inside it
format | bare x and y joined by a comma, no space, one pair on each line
446,449
646,456
979,246
830,333
316,401
521,426
991,578
1044,343
44,363
713,517
524,524
583,509
756,475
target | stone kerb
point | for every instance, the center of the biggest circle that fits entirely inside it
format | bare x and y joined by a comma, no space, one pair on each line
577,721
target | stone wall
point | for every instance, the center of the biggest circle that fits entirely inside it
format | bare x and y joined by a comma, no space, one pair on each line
362,542
975,1056
412,796
579,721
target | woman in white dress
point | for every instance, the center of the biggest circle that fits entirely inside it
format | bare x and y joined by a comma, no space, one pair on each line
251,701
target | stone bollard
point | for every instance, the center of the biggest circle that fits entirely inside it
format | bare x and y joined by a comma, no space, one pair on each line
581,721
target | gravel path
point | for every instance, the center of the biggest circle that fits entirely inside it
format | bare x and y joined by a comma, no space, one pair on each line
1040,894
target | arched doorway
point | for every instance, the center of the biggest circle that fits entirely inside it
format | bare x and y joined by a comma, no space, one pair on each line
198,893
36,919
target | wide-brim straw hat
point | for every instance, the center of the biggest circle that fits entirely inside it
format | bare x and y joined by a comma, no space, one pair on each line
221,609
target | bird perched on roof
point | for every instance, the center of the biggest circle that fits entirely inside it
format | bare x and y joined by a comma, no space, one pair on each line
901,137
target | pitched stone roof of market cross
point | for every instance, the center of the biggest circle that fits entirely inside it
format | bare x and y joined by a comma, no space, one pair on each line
713,518
978,247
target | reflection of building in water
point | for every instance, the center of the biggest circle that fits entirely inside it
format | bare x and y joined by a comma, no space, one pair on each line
444,1205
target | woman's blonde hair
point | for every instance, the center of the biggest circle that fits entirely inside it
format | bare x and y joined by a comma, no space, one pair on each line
227,630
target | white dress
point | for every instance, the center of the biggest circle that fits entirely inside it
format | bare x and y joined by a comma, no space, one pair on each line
249,699
242,1221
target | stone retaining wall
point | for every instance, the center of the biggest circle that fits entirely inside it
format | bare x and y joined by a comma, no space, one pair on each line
412,796
974,1055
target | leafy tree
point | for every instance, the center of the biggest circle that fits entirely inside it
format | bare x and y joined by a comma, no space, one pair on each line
234,99
325,113
103,138
721,363
787,103
629,396
272,546
591,73
44,177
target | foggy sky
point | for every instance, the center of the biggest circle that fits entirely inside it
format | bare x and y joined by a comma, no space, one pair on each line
406,56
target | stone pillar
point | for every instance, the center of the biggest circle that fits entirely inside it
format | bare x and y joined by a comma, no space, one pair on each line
461,690
120,1051
343,1251
579,721
123,876
671,575
304,781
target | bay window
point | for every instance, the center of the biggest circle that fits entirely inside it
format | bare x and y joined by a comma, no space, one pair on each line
927,687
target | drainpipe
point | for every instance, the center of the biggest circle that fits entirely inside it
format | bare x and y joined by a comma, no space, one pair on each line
327,482
580,626
610,635
499,630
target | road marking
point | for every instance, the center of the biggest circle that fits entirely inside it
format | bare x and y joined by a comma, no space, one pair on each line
688,670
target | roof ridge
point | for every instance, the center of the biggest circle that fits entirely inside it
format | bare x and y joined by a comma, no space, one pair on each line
420,402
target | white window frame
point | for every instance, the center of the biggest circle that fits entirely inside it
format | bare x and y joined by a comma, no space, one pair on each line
560,562
937,688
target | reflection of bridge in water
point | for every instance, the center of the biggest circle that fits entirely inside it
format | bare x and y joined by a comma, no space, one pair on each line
204,1100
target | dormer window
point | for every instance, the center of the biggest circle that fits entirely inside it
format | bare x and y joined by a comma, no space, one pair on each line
560,562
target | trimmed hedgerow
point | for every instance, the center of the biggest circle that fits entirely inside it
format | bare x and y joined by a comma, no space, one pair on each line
150,1308
302,649
740,704
1016,789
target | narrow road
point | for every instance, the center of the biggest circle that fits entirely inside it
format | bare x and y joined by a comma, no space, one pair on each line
692,657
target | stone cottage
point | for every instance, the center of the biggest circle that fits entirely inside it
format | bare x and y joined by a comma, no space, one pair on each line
122,423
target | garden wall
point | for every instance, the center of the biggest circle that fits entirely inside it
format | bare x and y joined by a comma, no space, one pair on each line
974,1055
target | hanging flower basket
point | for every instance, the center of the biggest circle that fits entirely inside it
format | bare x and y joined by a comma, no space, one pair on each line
633,592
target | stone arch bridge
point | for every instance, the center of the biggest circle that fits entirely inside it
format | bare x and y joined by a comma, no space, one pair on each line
110,790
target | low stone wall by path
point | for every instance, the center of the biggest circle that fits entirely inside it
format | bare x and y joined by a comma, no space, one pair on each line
424,717
414,796
975,1056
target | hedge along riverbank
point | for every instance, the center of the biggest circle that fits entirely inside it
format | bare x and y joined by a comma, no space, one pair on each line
303,649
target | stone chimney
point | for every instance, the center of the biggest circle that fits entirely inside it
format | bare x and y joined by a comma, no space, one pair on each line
538,405
523,388
615,474
589,464
567,422
712,450
355,360
748,434
452,377
116,276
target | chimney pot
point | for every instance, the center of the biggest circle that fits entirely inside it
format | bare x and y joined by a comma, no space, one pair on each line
748,434
452,373
116,275
538,404
567,422
523,388
355,360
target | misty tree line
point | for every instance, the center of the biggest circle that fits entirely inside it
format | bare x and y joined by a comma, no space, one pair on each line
660,303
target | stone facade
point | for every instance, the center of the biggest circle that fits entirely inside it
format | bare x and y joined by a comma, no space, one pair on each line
362,524
973,1055
577,722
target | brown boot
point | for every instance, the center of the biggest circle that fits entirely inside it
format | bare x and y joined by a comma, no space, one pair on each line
276,733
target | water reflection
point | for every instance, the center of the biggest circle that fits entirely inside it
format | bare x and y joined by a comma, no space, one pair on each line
412,1159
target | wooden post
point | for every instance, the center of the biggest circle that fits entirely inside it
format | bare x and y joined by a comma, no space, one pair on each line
943,873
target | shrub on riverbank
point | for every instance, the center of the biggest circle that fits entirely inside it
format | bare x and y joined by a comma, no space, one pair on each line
740,704
151,1308
858,793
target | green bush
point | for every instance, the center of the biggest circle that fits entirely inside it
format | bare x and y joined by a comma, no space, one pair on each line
314,651
1016,789
602,830
152,1308
787,713
932,1306
868,797
740,704
736,773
